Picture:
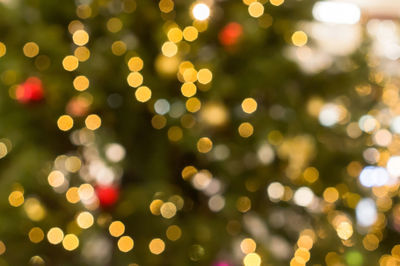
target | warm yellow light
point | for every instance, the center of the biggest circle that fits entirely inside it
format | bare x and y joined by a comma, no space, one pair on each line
36,235
125,244
204,76
188,89
204,145
248,245
93,122
70,242
173,232
175,35
188,172
85,220
256,9
16,198
155,206
114,25
81,83
65,122
143,94
169,49
249,105
252,259
190,33
135,79
245,130
70,63
34,209
3,49
56,178
193,105
118,48
55,235
116,229
276,2
157,246
80,37
201,11
135,64
72,195
168,210
31,49
82,53
299,38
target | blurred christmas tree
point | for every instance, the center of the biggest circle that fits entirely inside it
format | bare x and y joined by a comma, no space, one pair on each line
198,133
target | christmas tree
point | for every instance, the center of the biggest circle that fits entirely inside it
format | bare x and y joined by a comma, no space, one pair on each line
199,133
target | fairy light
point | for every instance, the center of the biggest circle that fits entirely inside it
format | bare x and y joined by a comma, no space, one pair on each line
201,11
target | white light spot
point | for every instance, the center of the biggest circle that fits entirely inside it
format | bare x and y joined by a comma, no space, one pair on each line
275,191
161,106
393,166
366,212
336,12
329,115
201,11
303,196
372,176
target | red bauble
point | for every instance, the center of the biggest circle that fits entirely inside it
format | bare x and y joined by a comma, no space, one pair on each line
230,34
30,91
107,195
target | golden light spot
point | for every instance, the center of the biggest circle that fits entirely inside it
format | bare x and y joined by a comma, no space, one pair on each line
175,133
2,248
155,206
36,235
166,6
72,195
135,64
84,11
80,37
116,229
70,242
118,48
34,209
188,121
169,49
370,242
65,122
299,38
344,230
248,2
331,194
85,191
188,89
114,25
70,63
188,172
31,49
143,94
252,259
125,244
214,114
16,198
190,33
81,83
158,121
129,6
135,79
73,164
175,35
248,245
303,254
173,232
3,150
396,251
243,204
93,122
85,220
276,2
204,76
193,105
3,49
56,178
157,246
256,9
311,174
74,26
55,235
168,210
190,75
249,105
82,53
204,145
305,241
245,130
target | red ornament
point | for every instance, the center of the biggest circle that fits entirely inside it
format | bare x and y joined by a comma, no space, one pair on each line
230,34
107,195
30,91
